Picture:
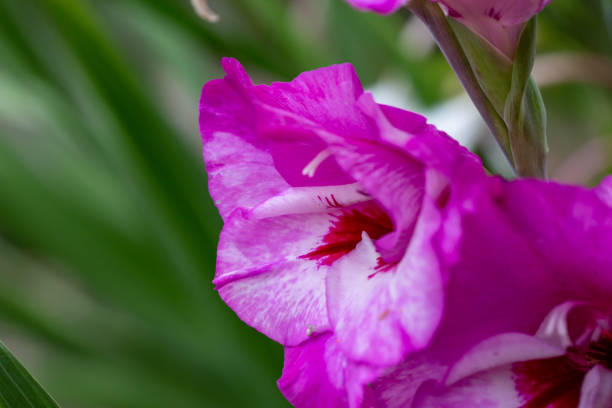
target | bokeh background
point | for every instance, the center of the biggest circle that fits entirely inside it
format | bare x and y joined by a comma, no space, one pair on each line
107,234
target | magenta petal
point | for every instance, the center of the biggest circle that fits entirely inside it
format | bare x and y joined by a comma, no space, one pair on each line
550,246
395,179
379,6
323,98
604,190
246,167
398,387
318,374
296,151
492,389
313,375
235,158
571,228
391,163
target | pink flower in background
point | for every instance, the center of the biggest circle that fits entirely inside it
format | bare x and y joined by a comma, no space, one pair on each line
526,246
567,364
379,6
500,22
333,209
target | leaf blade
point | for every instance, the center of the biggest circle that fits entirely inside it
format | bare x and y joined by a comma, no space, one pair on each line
18,389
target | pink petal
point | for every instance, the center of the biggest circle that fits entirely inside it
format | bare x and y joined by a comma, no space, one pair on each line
550,246
537,260
397,388
501,350
363,309
272,270
505,12
302,200
596,389
394,179
571,229
313,374
379,315
379,6
247,167
497,21
323,98
318,374
261,276
294,151
604,190
502,372
234,155
391,163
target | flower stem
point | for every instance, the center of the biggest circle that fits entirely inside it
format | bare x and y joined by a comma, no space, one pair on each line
431,14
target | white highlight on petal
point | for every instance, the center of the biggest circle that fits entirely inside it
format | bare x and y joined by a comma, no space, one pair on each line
554,327
311,167
301,200
500,350
201,7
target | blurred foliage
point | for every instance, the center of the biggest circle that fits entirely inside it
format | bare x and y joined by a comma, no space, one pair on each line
107,235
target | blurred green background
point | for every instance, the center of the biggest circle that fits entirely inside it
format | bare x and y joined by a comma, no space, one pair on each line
107,234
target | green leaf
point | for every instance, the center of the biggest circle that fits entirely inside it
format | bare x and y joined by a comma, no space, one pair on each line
17,387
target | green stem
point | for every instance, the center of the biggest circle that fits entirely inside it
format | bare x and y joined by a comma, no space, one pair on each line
431,14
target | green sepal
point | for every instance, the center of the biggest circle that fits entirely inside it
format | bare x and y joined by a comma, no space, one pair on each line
524,112
440,26
493,69
17,387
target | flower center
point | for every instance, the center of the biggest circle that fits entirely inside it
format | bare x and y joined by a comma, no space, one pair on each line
556,382
346,229
600,352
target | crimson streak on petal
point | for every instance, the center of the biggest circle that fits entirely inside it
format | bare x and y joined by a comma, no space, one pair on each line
549,383
346,229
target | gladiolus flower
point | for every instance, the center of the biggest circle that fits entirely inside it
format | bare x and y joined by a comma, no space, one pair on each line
333,208
567,364
526,246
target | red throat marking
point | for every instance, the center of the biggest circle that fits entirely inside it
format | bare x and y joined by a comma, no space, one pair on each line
346,229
